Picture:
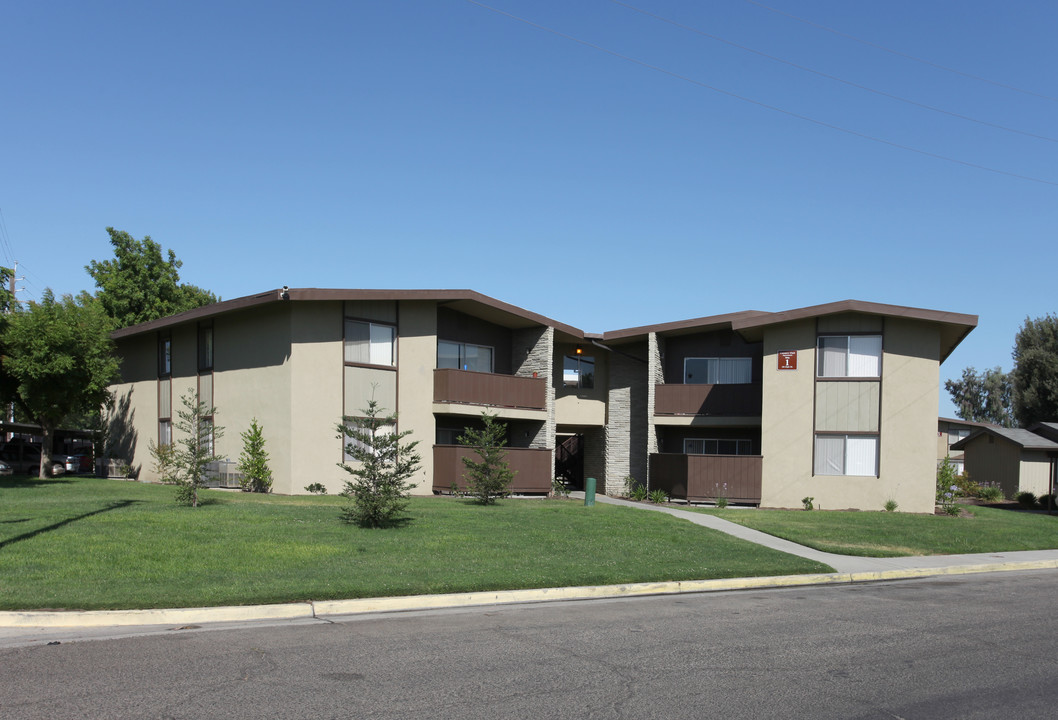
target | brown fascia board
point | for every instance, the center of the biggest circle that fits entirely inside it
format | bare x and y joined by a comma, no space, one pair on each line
305,294
955,326
972,423
701,324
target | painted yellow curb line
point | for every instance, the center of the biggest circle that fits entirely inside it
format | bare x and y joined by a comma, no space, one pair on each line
326,608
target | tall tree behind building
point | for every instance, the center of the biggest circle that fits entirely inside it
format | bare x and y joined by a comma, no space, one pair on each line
1036,371
140,285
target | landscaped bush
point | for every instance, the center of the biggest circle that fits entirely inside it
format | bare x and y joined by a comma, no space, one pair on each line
638,493
1026,499
990,493
1047,502
658,496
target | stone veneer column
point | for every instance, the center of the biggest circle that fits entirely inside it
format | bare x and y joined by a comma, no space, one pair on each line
655,376
626,422
532,352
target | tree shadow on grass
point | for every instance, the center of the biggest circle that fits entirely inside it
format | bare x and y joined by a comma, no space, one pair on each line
28,481
117,505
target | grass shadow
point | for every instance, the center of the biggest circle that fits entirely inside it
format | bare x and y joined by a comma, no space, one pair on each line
28,481
118,505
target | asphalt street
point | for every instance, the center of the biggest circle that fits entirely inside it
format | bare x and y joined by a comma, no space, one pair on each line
967,646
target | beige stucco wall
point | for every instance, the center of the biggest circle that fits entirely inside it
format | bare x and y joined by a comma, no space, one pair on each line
251,379
908,421
135,414
416,360
316,402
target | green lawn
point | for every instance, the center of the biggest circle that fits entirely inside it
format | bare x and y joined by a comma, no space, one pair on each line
881,534
91,543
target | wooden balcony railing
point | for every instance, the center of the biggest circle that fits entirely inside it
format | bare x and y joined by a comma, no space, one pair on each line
476,388
700,478
732,400
531,466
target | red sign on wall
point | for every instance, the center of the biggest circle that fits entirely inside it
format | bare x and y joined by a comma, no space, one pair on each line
787,359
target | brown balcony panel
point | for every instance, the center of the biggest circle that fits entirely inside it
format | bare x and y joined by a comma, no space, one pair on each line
701,478
732,400
531,466
475,388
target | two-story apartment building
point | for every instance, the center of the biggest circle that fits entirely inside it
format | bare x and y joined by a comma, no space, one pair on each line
835,401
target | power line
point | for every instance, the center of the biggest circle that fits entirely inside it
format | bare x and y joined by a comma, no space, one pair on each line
834,77
901,54
758,103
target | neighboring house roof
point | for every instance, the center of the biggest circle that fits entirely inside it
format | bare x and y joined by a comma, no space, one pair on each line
1022,438
969,423
1048,430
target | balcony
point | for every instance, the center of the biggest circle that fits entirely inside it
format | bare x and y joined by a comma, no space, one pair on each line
463,387
743,400
532,468
700,478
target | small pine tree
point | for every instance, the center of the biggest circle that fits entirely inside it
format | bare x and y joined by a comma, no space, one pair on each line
379,490
253,462
490,477
195,449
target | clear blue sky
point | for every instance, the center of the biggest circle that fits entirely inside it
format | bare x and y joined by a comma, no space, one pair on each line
601,171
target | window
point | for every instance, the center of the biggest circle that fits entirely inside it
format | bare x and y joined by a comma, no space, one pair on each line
717,371
165,356
165,432
710,446
847,455
348,440
955,435
463,356
578,372
205,348
849,356
370,343
205,435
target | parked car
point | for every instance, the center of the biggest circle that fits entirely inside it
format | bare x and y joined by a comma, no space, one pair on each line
24,458
85,461
6,469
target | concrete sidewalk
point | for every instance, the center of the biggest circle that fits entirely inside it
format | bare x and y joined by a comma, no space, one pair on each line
845,563
34,627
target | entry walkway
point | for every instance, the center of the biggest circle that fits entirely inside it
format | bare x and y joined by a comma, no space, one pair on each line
841,563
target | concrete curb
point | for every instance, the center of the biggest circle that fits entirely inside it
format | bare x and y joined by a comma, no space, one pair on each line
335,608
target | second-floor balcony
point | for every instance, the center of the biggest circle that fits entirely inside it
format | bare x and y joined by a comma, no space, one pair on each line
736,400
463,387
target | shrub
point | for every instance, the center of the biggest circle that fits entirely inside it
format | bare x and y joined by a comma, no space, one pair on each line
1047,502
490,477
253,463
195,451
379,490
990,493
658,496
808,503
721,495
630,484
946,477
891,505
559,488
1026,499
639,492
316,488
164,457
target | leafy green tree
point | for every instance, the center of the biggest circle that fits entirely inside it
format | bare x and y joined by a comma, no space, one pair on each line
1036,371
985,396
139,285
253,462
58,360
379,489
490,477
196,448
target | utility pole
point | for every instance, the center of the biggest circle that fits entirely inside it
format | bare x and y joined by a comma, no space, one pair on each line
14,289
